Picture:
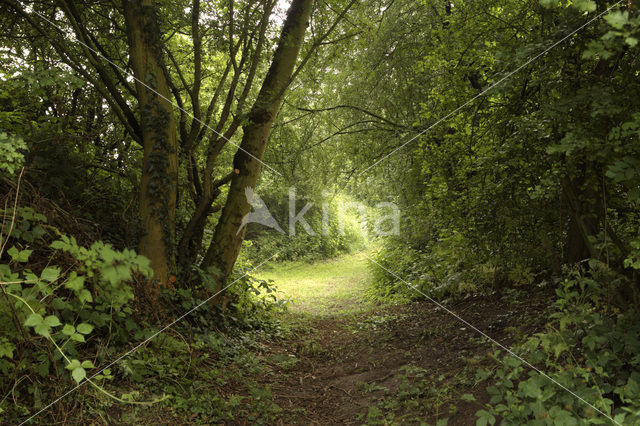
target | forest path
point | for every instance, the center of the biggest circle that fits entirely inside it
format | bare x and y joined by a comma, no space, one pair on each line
328,288
350,361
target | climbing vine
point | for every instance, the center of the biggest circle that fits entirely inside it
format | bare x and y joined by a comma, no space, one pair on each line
155,119
161,184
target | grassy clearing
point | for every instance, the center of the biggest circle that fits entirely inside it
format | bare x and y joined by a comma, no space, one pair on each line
331,287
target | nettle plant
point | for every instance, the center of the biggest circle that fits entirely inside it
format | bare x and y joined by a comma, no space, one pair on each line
59,309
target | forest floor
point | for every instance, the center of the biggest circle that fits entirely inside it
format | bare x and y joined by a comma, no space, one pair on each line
347,360
334,357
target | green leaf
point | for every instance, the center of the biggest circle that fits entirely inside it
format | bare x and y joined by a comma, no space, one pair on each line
617,19
42,329
50,274
68,330
6,348
585,5
110,274
106,374
88,364
631,41
52,321
85,296
74,282
468,397
84,328
548,3
59,245
530,388
558,348
19,255
78,337
484,418
60,304
78,374
38,232
73,365
33,320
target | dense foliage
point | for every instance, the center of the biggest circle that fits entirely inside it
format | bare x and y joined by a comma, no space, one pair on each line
506,132
521,127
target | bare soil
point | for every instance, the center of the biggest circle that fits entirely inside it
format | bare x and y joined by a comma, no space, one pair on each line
332,370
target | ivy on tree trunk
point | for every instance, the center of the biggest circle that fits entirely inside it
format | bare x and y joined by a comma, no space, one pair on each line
158,186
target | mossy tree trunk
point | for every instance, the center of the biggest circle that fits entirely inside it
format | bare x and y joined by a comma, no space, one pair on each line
228,236
158,186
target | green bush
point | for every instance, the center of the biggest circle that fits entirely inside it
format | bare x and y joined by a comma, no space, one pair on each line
303,246
247,303
441,269
589,347
55,320
12,152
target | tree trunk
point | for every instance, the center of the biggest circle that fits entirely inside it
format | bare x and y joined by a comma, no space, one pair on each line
189,245
158,185
583,220
228,236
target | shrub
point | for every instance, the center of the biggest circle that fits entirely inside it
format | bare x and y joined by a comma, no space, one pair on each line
589,346
55,319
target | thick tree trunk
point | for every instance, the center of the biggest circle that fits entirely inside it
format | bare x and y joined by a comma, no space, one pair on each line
228,236
575,248
584,220
158,186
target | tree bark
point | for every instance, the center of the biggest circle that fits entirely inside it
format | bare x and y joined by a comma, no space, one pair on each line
583,223
158,185
228,236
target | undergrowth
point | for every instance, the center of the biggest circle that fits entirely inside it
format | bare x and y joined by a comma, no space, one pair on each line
589,346
69,311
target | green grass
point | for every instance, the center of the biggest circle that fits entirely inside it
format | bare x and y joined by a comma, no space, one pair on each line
331,287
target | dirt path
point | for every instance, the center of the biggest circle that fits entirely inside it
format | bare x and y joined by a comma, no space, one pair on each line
348,361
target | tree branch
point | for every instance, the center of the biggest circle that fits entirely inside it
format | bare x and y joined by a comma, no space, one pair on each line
357,108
